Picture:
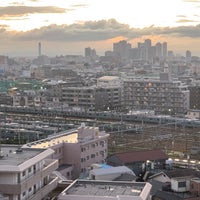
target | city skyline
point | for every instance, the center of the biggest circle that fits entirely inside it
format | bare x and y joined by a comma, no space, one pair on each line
68,27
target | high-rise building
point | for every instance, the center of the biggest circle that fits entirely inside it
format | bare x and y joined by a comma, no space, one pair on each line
148,54
122,49
164,50
39,49
158,50
188,56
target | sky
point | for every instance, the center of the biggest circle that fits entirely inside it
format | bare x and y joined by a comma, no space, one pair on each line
68,26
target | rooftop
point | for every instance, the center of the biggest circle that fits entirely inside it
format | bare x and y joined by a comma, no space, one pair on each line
108,78
70,137
141,156
11,156
104,188
82,134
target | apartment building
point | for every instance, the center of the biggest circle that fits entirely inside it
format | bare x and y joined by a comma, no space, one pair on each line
93,97
76,150
194,96
26,173
162,96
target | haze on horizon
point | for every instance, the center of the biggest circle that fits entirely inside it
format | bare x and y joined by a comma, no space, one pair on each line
67,27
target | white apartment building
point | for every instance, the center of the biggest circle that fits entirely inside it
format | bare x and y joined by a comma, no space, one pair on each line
76,150
165,97
26,173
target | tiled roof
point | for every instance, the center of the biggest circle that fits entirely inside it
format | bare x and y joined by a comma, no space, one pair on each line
182,173
138,156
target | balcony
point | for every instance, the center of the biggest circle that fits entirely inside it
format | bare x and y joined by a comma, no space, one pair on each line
45,190
50,166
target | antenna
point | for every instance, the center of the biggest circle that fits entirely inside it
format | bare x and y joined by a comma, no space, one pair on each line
39,49
1,153
19,149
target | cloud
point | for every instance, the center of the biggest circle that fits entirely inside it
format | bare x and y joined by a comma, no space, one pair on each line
194,1
182,16
185,21
13,11
17,3
88,31
99,31
79,6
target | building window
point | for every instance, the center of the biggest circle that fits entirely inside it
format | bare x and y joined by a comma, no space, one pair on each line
34,168
30,189
24,173
24,193
68,174
182,184
92,155
29,170
88,157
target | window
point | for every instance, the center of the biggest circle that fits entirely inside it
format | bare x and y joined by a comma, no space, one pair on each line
182,184
30,189
92,155
68,174
29,170
24,173
24,193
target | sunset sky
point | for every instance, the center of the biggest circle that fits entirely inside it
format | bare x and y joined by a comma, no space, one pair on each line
68,26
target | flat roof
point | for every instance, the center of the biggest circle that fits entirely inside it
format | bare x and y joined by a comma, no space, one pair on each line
104,188
52,141
10,155
108,78
112,170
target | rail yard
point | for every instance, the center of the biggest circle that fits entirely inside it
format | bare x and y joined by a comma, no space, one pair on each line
179,137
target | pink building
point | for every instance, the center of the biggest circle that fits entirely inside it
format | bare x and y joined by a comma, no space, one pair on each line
76,150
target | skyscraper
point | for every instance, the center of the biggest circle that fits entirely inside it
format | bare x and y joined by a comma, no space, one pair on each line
39,49
164,49
158,50
188,56
148,54
122,49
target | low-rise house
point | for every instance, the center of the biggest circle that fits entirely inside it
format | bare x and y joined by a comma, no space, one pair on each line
139,161
109,174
